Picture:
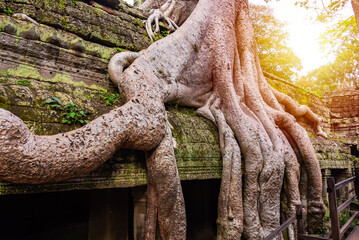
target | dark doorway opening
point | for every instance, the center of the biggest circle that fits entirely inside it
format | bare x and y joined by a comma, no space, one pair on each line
354,150
62,215
201,199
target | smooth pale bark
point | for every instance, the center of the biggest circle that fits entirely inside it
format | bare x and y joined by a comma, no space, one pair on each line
209,63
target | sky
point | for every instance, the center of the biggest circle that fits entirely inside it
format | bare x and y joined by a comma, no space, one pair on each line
303,31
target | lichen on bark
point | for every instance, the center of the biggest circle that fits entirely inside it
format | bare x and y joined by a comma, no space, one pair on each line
209,63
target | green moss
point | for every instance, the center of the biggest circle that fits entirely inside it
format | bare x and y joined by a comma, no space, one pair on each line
64,21
140,23
191,112
5,106
25,71
98,9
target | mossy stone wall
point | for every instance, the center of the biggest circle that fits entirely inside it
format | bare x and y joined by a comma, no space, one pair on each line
68,60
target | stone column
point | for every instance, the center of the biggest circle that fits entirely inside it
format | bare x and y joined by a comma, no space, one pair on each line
139,211
343,175
325,174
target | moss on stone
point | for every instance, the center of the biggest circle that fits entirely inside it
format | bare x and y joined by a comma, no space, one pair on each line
26,71
54,36
86,21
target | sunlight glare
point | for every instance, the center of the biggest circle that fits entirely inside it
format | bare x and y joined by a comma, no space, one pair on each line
303,32
129,2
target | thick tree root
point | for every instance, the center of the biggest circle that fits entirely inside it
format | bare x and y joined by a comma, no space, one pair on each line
230,204
214,68
27,158
164,193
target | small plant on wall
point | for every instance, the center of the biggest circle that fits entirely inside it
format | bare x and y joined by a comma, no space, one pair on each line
4,76
23,82
8,11
110,98
71,113
74,115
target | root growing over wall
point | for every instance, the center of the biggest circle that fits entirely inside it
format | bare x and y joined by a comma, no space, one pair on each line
209,63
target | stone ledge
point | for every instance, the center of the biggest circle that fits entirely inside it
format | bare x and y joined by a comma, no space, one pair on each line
90,23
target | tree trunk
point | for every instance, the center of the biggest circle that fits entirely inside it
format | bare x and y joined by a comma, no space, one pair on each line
209,63
355,5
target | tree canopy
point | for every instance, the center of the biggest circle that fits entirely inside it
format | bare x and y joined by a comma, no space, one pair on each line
271,37
340,42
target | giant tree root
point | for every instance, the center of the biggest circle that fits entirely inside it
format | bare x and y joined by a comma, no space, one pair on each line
209,63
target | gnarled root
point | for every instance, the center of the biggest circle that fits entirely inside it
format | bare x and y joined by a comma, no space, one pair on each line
155,16
218,63
165,203
315,206
230,205
161,13
29,158
165,200
297,110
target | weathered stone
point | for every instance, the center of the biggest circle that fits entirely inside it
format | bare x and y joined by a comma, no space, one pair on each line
94,24
344,104
70,63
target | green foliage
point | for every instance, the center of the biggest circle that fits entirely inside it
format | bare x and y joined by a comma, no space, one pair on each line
326,10
191,112
5,76
326,219
74,115
344,218
342,43
110,98
140,23
322,231
271,37
119,49
71,113
24,82
74,2
55,103
158,36
8,11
